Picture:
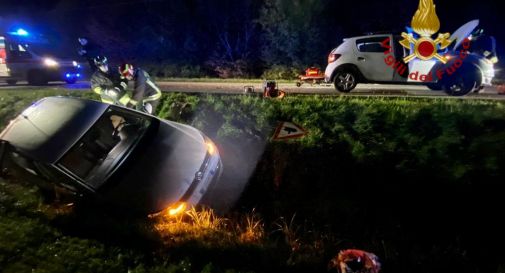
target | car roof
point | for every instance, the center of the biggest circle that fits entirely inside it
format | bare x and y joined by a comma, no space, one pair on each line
371,36
50,126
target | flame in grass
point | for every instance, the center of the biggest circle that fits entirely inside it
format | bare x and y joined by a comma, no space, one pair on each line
425,21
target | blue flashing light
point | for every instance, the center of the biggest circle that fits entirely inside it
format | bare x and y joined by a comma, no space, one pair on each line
67,75
22,32
78,75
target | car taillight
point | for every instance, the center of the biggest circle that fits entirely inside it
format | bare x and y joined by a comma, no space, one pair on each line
333,57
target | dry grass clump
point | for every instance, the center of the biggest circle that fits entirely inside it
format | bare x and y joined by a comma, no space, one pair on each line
204,226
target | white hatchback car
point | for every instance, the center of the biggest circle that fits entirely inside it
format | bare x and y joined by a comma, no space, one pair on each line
366,59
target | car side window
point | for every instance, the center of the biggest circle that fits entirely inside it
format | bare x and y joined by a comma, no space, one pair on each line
100,149
18,52
371,44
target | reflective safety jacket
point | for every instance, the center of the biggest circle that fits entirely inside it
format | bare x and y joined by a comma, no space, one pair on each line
145,90
111,90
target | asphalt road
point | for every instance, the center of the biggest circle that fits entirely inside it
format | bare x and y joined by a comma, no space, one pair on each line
290,88
217,87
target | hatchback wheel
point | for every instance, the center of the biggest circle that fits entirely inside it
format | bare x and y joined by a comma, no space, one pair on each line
345,81
460,86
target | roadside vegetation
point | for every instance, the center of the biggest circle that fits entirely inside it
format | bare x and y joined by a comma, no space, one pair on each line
416,181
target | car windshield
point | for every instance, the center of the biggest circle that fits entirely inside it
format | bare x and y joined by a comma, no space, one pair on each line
95,156
54,49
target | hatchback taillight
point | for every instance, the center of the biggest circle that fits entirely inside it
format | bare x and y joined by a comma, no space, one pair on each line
333,57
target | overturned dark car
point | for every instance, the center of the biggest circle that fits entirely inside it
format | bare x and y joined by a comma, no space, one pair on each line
111,154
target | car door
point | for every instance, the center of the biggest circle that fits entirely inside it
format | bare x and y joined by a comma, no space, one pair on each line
370,58
402,69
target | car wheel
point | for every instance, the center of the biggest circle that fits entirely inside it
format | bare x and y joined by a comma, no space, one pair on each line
460,86
345,81
298,84
36,78
434,86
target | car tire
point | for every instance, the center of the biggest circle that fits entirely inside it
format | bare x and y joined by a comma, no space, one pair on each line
460,86
345,81
36,78
11,82
435,86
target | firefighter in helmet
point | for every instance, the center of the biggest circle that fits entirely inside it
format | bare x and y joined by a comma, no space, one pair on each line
146,94
109,85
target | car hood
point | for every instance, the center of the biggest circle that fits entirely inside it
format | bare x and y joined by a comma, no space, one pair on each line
161,169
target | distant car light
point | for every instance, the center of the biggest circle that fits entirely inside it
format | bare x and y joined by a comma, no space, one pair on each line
74,63
50,62
177,209
490,72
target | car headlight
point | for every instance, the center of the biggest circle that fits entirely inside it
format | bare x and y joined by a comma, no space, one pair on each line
177,209
490,71
173,210
74,63
50,62
211,147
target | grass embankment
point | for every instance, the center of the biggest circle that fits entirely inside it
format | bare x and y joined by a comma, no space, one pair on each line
398,177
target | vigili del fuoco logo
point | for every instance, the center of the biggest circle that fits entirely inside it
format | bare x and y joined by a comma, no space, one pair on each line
425,23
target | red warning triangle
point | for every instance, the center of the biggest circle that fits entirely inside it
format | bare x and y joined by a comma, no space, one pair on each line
287,130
